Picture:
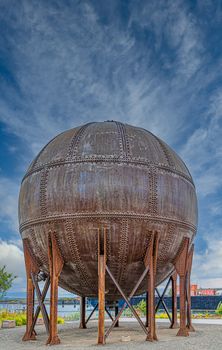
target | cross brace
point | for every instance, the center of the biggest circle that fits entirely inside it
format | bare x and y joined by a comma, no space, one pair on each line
33,276
84,321
150,270
173,319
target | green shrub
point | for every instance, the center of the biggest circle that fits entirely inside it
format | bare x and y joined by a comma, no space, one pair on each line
19,321
60,320
161,315
141,307
127,312
19,317
218,310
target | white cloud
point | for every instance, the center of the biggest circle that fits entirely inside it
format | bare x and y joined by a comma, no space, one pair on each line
175,26
12,257
87,71
9,204
207,270
203,149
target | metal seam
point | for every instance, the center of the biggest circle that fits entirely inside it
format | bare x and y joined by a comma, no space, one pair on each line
75,252
73,147
166,153
167,243
163,147
116,215
123,140
152,195
110,160
123,251
43,192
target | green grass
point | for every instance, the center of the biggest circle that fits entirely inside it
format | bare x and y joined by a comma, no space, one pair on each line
75,316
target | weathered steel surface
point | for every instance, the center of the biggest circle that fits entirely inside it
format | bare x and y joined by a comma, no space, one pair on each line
114,175
181,268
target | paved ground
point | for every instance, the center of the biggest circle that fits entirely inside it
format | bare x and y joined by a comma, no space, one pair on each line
206,337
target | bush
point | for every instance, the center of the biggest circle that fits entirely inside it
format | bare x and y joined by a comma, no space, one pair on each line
218,310
162,315
60,320
141,307
19,317
127,312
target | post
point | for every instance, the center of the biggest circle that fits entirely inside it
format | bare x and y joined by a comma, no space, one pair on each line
152,260
82,324
189,266
151,312
101,284
116,313
155,256
174,323
31,267
55,267
181,268
146,323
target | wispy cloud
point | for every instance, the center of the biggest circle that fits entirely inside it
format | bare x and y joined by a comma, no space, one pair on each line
68,68
155,64
207,272
203,149
12,257
8,205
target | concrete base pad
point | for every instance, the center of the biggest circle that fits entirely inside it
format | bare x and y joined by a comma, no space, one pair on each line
206,337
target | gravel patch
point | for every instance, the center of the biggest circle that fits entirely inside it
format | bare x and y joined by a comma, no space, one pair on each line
206,337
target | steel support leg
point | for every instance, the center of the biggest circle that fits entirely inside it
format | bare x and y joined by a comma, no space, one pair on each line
152,257
174,322
101,324
31,267
82,324
147,301
189,318
101,284
55,266
181,268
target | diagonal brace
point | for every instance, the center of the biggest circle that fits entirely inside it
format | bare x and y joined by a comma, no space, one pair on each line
161,300
126,302
109,314
91,313
41,297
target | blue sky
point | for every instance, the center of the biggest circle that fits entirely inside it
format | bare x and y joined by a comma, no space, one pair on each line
155,64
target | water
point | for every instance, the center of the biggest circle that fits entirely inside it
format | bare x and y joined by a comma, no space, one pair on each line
63,310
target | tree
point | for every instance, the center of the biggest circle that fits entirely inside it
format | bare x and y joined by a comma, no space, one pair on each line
6,280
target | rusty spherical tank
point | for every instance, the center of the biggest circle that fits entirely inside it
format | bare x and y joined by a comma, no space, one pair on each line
114,175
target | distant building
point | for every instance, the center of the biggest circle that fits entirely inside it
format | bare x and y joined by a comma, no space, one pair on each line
194,290
208,291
